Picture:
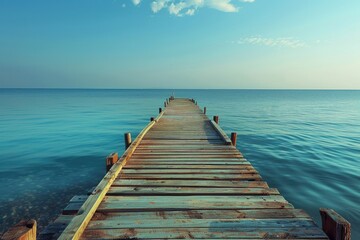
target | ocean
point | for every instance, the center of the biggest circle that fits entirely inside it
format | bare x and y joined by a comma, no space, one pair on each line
53,143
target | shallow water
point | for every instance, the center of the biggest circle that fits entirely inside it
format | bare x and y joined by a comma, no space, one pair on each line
53,143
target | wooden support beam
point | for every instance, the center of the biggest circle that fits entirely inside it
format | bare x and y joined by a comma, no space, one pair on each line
233,138
205,110
221,133
24,230
111,160
160,110
152,119
127,137
165,104
334,225
216,119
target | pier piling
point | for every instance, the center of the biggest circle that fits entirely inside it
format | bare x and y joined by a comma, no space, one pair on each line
127,137
24,230
334,225
233,138
111,160
216,119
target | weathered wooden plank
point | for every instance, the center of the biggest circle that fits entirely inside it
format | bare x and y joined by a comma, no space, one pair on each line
74,204
184,138
198,134
221,133
189,171
334,225
206,233
79,198
177,142
145,203
187,151
206,214
185,147
187,154
54,229
192,163
72,208
199,176
189,183
194,160
190,166
188,191
241,223
24,230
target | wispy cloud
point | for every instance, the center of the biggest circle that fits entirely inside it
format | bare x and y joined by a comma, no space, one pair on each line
136,2
190,7
272,42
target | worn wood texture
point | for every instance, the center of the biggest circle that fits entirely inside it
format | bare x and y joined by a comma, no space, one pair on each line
111,160
184,179
24,230
334,225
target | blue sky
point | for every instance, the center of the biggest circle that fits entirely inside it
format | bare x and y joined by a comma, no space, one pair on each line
281,44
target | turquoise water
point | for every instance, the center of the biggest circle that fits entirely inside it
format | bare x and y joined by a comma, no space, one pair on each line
53,143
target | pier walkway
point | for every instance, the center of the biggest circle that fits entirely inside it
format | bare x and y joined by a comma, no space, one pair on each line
182,178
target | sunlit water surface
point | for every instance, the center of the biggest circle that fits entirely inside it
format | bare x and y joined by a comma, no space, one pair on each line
53,143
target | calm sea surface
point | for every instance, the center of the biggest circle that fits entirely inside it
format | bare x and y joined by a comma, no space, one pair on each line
53,143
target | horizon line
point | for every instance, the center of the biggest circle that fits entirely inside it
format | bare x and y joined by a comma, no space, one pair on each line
249,89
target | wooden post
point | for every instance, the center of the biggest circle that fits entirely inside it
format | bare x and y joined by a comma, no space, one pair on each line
152,119
334,225
233,138
127,137
205,110
111,160
24,230
165,104
216,119
160,110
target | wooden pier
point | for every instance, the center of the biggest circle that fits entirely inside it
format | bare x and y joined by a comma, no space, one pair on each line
182,178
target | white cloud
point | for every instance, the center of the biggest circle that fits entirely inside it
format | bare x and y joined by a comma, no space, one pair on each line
273,42
156,6
222,5
190,12
176,8
190,7
136,2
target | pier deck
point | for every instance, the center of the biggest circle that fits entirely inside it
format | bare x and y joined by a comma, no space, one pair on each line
182,178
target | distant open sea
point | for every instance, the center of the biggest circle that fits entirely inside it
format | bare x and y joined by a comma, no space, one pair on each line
53,143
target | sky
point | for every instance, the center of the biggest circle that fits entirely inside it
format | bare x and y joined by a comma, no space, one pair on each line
206,44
